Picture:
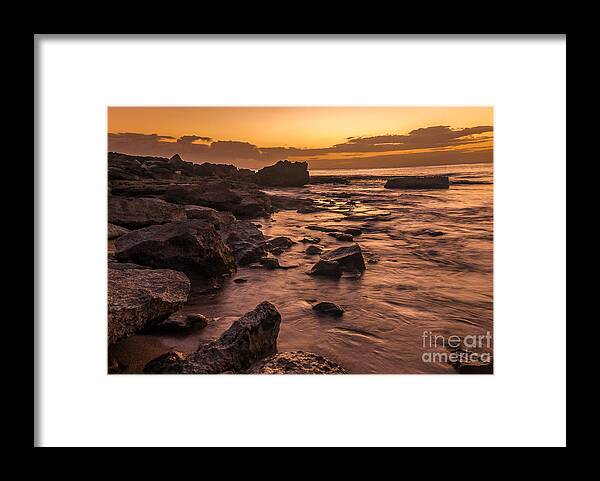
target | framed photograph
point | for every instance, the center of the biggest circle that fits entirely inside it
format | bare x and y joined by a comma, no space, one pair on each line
360,247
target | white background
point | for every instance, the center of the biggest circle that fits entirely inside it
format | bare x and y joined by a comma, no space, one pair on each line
522,404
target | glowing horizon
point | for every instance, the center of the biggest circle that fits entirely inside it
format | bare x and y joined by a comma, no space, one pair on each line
326,137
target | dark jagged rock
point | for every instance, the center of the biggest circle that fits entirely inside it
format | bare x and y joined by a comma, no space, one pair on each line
419,182
181,322
341,236
326,268
115,231
320,228
139,298
269,263
353,231
350,259
313,250
138,212
311,240
296,362
281,241
328,308
250,338
284,173
191,246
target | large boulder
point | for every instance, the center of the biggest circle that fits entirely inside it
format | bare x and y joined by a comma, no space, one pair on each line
115,231
140,298
241,200
296,362
244,239
133,213
192,246
284,173
419,182
250,338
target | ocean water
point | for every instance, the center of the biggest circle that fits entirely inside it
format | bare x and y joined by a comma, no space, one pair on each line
430,270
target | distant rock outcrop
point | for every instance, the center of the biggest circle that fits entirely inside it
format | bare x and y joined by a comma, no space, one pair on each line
419,182
139,298
284,174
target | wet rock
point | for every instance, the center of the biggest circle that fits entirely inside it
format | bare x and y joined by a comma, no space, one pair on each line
249,339
240,280
281,241
302,205
191,246
140,298
350,259
269,263
313,250
296,362
284,173
311,240
353,231
244,239
419,182
142,212
326,268
341,236
115,231
182,322
429,232
328,308
277,251
320,228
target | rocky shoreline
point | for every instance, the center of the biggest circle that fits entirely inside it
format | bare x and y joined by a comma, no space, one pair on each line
178,229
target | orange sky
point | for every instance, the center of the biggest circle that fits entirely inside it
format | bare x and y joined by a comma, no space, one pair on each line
302,128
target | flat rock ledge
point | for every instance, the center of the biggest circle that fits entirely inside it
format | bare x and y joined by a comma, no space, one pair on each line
419,182
249,339
138,298
296,362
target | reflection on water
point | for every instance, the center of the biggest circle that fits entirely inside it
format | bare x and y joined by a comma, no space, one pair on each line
429,268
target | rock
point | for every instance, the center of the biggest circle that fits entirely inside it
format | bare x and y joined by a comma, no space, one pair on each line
142,212
277,251
311,240
182,322
281,241
269,263
240,280
284,173
350,259
327,269
191,246
341,236
328,308
296,362
353,231
329,179
139,298
313,250
240,199
207,213
429,232
320,229
250,338
115,231
419,182
302,205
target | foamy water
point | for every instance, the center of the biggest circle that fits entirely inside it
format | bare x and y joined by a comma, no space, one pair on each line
417,282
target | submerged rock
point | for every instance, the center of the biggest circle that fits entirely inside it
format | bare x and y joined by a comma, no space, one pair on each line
284,173
353,231
269,263
182,322
419,182
250,338
313,250
329,308
341,236
296,362
191,246
140,298
139,212
311,240
281,242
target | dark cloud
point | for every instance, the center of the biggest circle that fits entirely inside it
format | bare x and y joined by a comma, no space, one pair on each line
439,140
